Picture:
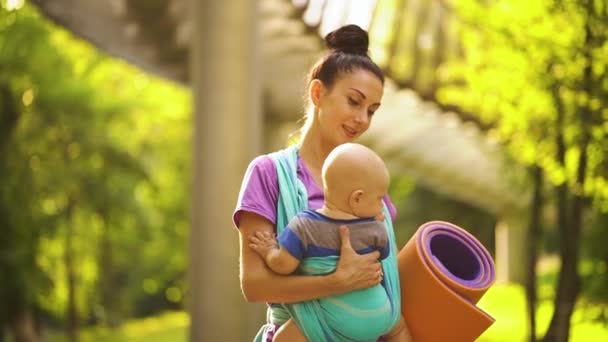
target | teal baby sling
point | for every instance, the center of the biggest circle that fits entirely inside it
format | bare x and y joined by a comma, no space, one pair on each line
327,319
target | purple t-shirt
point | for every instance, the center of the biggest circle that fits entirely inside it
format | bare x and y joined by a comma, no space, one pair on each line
260,190
259,194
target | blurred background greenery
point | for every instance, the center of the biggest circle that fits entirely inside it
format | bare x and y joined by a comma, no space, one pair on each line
95,171
95,159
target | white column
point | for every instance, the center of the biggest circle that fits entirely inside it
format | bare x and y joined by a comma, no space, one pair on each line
511,247
225,81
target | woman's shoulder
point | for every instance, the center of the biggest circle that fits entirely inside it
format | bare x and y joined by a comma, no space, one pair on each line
259,190
261,171
262,162
266,163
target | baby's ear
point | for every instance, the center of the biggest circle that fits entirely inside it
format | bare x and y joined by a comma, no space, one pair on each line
355,198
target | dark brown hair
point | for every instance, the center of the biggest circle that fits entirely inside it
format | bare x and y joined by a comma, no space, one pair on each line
348,47
347,53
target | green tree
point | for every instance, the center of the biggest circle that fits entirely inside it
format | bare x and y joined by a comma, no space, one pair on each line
92,158
535,72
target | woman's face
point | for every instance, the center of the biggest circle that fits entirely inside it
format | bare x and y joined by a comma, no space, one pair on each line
345,111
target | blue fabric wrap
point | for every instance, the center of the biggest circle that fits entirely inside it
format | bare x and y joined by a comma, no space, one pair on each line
338,317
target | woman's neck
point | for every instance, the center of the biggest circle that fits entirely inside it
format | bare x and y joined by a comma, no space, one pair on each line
313,150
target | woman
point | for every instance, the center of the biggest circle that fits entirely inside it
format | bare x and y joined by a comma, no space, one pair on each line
345,88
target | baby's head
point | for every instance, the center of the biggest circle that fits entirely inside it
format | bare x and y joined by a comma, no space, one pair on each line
355,180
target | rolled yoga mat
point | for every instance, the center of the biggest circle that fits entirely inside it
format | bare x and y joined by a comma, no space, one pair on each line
444,271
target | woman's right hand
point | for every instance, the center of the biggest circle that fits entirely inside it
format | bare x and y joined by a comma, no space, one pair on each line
355,271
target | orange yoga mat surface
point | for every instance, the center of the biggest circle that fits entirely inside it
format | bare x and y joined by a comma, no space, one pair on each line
444,271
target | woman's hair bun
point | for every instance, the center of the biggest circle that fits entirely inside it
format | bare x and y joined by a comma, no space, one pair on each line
348,39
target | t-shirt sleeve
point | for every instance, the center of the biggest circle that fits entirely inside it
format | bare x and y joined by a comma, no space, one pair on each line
391,207
290,240
384,252
382,244
259,190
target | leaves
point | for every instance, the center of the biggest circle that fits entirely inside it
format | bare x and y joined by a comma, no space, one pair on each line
90,145
516,54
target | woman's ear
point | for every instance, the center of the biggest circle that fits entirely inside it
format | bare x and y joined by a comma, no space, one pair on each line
315,91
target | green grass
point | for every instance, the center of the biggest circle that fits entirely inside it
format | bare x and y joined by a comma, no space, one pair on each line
506,303
168,327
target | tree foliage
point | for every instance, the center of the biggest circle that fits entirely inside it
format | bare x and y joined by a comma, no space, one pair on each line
93,160
523,60
535,73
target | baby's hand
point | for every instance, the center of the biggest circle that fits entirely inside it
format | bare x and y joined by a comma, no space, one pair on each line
380,216
263,242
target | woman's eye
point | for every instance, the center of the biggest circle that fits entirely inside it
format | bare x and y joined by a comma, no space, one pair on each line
352,102
370,112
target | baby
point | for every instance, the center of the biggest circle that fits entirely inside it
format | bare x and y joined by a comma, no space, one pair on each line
355,182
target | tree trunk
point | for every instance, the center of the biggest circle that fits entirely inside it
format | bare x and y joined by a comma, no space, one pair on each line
21,324
111,294
71,311
106,291
23,328
569,281
534,234
9,115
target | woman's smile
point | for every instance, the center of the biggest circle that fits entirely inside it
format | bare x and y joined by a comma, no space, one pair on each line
350,132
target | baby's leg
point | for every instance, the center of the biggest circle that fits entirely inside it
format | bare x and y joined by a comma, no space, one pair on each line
289,332
400,333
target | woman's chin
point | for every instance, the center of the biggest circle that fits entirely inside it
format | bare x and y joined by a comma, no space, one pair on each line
347,138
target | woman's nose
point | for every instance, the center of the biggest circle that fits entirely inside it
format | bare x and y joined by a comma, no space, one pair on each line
362,118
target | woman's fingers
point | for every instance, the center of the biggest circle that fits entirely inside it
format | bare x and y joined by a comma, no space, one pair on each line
372,257
345,240
372,269
357,271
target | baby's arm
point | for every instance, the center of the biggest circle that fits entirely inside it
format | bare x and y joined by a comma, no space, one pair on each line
278,259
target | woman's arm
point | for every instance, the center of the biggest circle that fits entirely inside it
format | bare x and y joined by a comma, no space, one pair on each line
260,284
